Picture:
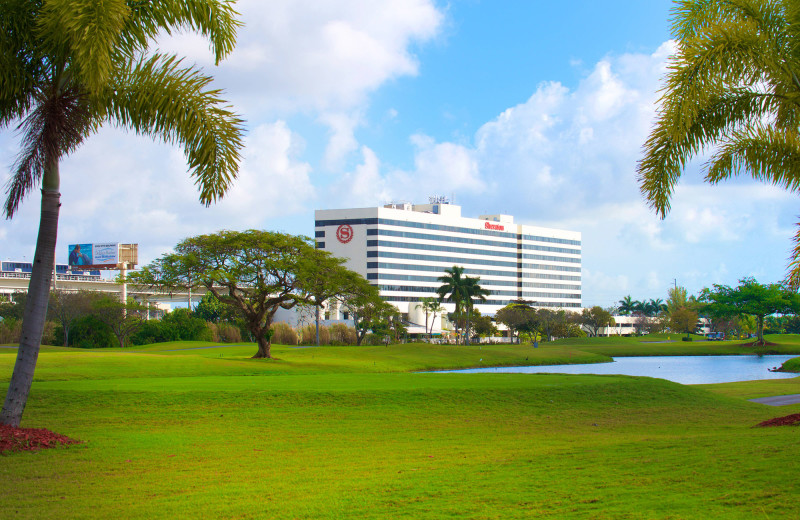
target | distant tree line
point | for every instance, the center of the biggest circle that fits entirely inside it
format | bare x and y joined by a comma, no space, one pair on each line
750,308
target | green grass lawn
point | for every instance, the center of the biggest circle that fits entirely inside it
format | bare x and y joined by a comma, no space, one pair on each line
345,432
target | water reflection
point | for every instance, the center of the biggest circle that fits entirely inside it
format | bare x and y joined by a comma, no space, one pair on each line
687,370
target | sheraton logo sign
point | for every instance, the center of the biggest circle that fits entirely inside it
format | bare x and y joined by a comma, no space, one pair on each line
495,227
344,233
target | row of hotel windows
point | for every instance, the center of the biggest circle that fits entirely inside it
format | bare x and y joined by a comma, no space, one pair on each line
473,261
468,271
506,283
437,227
501,303
463,250
432,290
473,241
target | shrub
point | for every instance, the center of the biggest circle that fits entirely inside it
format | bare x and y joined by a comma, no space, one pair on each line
10,329
178,325
374,339
186,326
49,333
341,334
283,334
308,335
87,332
224,333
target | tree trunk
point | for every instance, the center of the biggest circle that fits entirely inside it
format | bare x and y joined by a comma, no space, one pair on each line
264,345
35,310
760,331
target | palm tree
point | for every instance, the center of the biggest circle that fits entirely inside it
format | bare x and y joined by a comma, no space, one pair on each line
436,308
472,290
452,289
653,307
627,305
68,67
733,85
432,307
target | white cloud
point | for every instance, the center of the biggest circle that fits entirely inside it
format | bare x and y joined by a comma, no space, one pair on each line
363,187
318,54
342,140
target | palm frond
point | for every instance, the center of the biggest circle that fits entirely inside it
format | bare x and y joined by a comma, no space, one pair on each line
768,155
671,146
88,31
159,97
18,68
214,19
730,57
792,279
693,17
55,128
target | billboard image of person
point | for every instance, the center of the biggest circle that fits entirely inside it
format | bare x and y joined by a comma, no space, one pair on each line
78,254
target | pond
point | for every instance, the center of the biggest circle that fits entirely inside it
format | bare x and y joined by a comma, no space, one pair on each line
687,370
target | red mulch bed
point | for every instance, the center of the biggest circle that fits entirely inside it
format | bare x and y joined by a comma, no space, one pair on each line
30,439
789,420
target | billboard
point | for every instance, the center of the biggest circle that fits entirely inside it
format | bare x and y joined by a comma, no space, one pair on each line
95,256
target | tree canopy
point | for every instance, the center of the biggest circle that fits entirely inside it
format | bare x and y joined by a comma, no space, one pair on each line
520,318
596,318
370,312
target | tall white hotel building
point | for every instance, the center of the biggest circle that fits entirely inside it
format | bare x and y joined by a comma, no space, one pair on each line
403,248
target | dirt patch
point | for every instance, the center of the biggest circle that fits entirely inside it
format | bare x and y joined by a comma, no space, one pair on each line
788,420
30,439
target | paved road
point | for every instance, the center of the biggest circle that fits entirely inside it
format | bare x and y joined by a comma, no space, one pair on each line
779,400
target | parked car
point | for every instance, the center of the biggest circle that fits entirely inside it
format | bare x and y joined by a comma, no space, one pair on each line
715,336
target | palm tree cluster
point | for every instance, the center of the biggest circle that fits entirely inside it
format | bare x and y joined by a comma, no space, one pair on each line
628,306
733,87
461,290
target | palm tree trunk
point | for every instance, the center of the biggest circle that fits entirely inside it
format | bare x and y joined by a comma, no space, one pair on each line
35,309
316,306
466,335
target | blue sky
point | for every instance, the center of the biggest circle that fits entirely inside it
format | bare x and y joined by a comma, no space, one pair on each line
536,109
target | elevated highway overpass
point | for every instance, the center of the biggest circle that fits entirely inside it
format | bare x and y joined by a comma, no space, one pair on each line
11,282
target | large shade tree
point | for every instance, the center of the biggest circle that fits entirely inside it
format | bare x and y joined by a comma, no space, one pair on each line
732,87
520,317
69,66
257,273
749,298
